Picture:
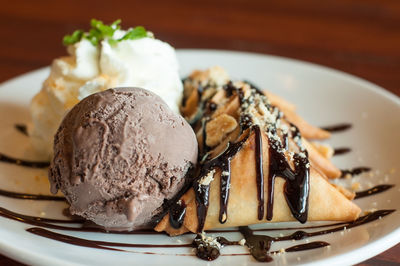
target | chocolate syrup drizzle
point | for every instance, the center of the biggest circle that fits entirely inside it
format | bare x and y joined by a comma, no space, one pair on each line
259,172
33,220
48,223
337,128
204,154
17,195
223,162
340,151
177,214
32,164
373,190
303,247
96,244
354,171
296,193
254,87
203,105
259,245
297,184
22,128
207,251
297,181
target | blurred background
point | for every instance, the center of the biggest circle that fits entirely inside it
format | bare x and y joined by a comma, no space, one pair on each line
361,37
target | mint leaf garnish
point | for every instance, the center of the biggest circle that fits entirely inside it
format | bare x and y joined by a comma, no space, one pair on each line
76,36
135,33
100,31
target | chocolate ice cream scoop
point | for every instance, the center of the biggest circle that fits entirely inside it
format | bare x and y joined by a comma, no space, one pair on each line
118,155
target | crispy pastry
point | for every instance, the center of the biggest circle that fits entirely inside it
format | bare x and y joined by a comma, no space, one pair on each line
255,166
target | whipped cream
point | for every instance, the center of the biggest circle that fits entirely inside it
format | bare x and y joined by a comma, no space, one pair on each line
147,63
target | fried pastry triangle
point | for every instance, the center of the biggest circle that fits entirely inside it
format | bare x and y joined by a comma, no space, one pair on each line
256,165
325,202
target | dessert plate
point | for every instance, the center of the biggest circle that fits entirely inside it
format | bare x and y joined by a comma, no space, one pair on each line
323,96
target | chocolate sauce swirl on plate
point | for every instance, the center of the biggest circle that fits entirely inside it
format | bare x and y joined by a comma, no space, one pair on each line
22,128
340,151
307,246
53,224
209,249
33,164
373,190
96,244
354,171
337,128
296,192
17,195
259,245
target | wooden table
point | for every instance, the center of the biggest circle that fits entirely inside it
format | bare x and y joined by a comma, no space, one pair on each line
359,37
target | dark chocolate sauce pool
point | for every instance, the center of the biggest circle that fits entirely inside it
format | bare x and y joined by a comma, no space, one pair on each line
210,251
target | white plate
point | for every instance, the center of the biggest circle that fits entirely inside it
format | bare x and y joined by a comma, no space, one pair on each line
323,97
